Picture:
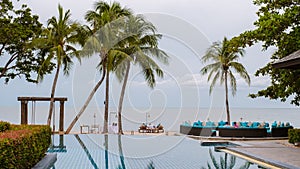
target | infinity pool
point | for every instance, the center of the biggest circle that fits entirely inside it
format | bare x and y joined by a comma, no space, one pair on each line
93,151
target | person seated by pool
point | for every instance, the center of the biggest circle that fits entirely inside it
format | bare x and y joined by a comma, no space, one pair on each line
227,124
262,124
235,125
249,124
150,126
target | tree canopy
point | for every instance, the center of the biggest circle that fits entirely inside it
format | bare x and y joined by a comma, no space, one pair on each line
278,26
17,29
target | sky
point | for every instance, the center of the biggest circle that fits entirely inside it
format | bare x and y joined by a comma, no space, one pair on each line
188,27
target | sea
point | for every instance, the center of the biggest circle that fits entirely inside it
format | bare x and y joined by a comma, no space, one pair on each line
132,118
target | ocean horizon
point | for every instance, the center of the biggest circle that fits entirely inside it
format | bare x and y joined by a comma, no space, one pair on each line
170,118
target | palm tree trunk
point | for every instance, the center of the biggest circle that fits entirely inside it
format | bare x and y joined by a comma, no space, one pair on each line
226,99
105,127
122,98
52,94
87,102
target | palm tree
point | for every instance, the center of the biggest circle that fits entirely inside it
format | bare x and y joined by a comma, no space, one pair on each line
57,42
104,37
141,44
224,57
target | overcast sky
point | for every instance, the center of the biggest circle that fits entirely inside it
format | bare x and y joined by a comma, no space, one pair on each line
188,28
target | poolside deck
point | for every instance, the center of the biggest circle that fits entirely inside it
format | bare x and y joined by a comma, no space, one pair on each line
273,153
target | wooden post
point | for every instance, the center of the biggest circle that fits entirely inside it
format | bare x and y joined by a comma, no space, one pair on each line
24,112
61,116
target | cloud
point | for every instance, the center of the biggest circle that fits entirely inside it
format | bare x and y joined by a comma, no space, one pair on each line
194,80
258,82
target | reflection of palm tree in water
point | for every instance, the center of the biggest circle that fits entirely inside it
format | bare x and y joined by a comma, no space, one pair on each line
86,151
106,150
151,165
122,166
224,162
122,159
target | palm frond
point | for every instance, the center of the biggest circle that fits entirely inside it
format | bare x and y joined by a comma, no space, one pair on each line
44,65
232,162
213,83
213,159
149,77
232,83
223,163
120,70
241,70
211,67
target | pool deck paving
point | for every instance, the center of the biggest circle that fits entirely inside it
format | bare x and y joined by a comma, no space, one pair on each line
270,153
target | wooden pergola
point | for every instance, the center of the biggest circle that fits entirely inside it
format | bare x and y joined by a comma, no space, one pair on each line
291,61
24,108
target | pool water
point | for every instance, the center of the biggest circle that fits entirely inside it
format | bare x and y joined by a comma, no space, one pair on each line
97,151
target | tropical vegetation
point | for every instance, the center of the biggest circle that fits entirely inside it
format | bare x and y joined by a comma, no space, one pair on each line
105,30
278,25
294,136
17,29
56,44
120,40
23,146
225,58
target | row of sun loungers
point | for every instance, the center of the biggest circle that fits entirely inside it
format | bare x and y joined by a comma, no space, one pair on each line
237,129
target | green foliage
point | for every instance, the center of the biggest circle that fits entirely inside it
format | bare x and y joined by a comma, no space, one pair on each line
140,43
17,29
24,145
294,135
224,57
57,42
4,126
278,25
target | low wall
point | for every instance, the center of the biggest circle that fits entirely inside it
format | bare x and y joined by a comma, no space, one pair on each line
198,131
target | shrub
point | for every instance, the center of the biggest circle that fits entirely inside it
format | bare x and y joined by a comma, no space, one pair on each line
294,135
4,126
24,145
